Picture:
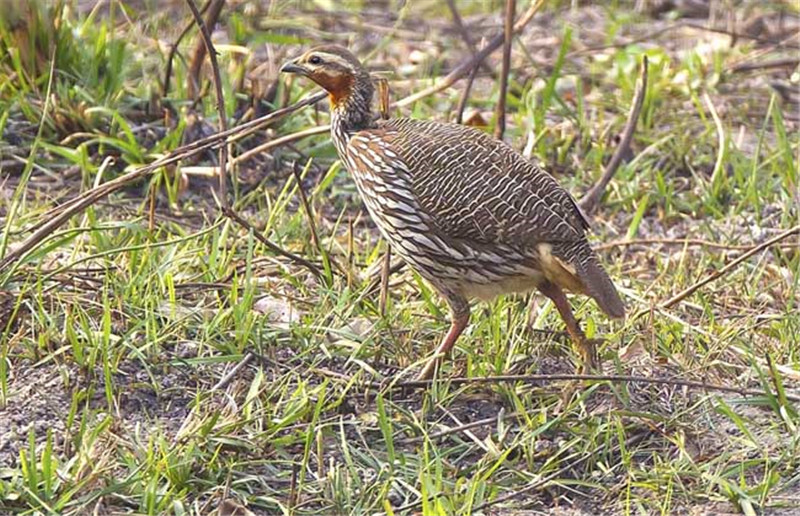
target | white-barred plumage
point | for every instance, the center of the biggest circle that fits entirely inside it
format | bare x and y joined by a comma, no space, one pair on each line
470,214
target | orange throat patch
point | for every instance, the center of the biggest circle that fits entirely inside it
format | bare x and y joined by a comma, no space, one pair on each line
339,87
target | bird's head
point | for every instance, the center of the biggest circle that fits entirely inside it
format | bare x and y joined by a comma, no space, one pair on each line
334,68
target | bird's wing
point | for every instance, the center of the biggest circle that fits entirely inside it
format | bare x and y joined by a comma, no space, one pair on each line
477,188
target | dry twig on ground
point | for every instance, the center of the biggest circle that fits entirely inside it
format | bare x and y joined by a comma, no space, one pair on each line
213,15
592,198
201,46
508,36
599,377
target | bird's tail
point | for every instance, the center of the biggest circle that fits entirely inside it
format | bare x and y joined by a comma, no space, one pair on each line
600,287
594,279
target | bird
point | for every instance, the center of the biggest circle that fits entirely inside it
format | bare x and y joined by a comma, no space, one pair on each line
470,214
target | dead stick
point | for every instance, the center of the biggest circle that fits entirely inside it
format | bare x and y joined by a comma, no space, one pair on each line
264,147
592,197
456,429
201,47
462,30
213,15
462,102
791,62
679,241
466,66
225,380
271,246
508,35
56,217
725,270
385,271
174,50
629,444
605,378
307,207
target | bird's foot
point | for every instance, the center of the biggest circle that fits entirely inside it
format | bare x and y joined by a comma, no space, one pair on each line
429,370
590,360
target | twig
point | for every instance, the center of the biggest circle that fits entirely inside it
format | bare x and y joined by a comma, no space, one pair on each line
508,35
789,62
264,147
385,271
464,33
739,35
677,241
292,501
603,378
55,218
463,68
173,49
271,246
455,430
592,197
633,441
377,277
201,47
725,270
225,380
651,36
462,102
213,14
307,207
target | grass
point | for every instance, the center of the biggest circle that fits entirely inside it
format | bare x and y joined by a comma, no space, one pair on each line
114,332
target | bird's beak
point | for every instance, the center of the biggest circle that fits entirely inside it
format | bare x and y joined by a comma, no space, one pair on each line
292,66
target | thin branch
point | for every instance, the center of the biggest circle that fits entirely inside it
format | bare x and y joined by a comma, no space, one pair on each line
201,47
455,430
307,208
604,378
173,49
264,147
725,270
592,197
464,33
56,217
385,271
225,380
508,36
789,62
462,102
629,444
213,15
299,260
463,68
678,241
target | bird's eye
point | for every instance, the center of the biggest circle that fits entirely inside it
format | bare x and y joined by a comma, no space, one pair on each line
315,60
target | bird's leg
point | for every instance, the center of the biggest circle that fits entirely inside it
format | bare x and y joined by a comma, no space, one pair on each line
586,347
459,318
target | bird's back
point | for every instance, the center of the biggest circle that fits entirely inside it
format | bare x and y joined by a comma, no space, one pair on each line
479,188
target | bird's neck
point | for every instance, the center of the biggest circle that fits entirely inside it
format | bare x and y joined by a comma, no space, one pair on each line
351,112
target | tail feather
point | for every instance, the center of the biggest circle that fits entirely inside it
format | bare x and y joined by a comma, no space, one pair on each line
599,286
591,276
